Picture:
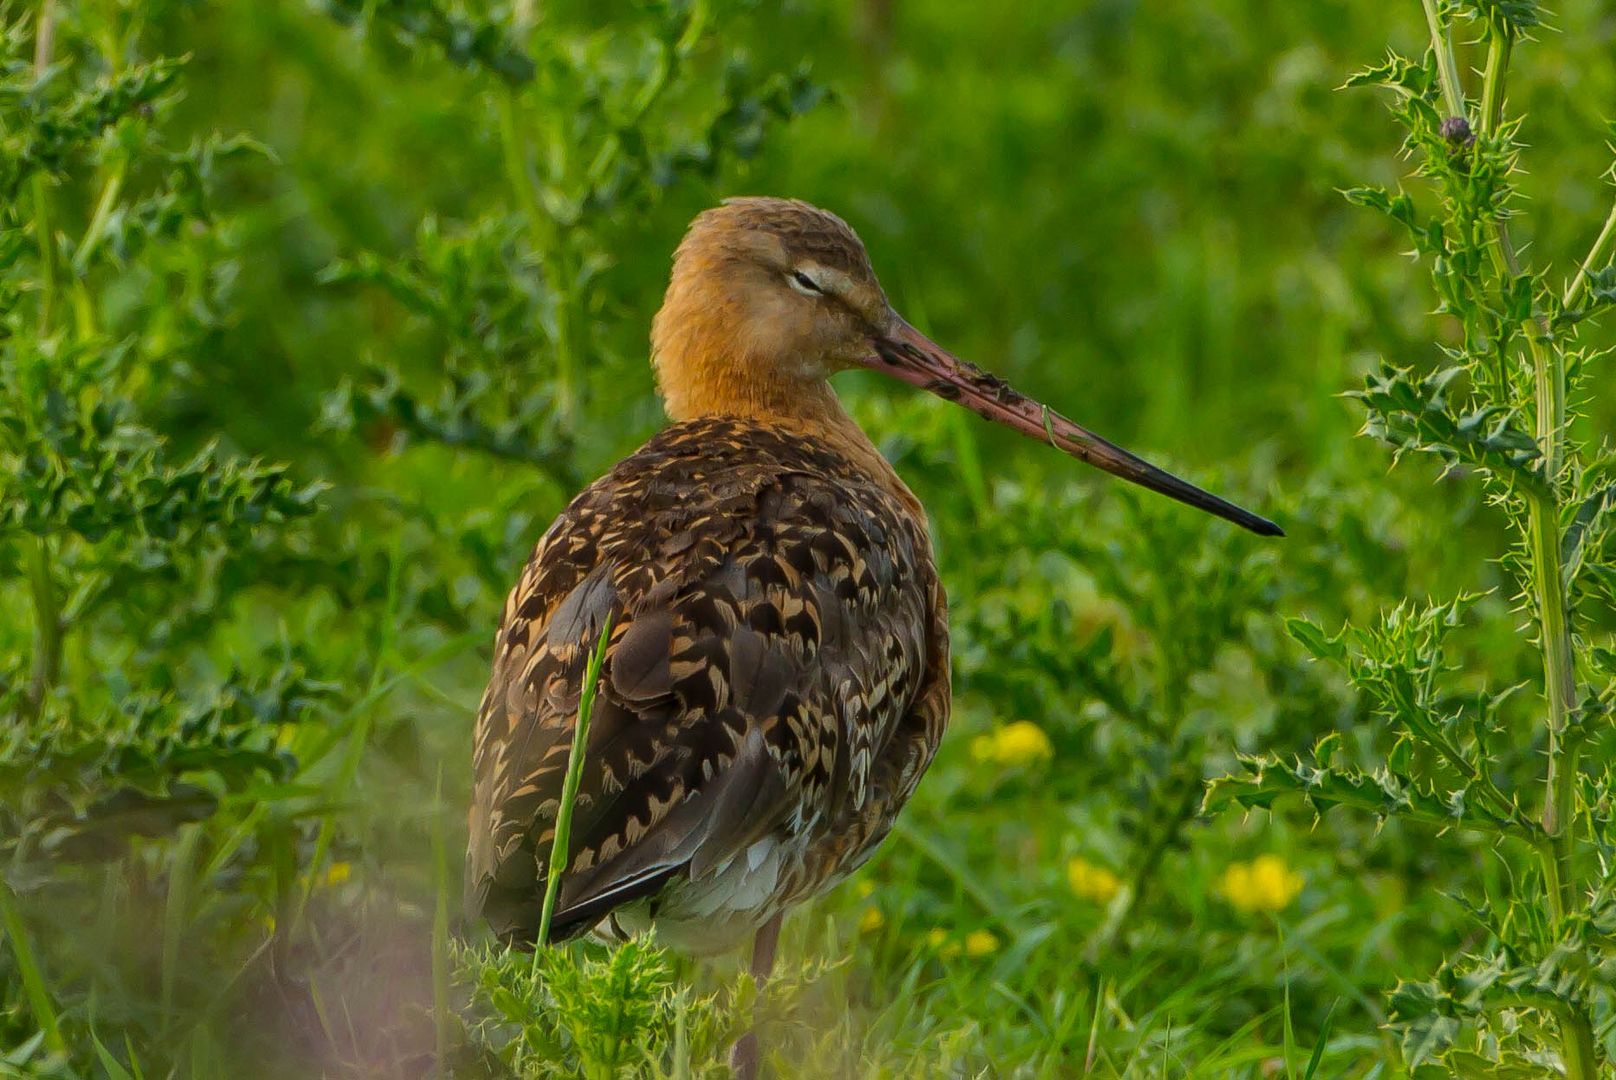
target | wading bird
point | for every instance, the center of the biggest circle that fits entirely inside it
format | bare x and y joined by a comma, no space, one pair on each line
776,678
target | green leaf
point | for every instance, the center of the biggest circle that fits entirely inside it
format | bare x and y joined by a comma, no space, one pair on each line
1316,641
1267,779
1415,414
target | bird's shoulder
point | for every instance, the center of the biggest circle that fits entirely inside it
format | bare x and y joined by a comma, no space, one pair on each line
692,494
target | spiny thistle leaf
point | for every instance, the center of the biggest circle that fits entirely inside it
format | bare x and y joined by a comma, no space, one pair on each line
1267,779
1593,519
1413,413
1516,17
1471,988
1427,235
79,784
590,1011
1396,71
467,40
48,137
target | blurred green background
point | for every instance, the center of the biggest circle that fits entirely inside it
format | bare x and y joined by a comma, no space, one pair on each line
431,292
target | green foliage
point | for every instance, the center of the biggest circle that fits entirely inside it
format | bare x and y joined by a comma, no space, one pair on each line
313,315
1413,413
599,1014
1529,997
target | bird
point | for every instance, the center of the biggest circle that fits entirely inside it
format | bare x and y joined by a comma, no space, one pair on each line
775,678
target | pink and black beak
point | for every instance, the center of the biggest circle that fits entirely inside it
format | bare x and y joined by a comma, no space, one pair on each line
905,353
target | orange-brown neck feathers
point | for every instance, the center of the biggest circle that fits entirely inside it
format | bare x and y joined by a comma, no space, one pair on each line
727,342
732,339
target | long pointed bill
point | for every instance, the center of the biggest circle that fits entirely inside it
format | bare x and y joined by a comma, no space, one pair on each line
909,355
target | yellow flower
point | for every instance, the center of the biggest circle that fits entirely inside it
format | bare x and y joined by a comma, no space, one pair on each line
938,941
1023,742
1092,882
1264,884
872,920
980,943
338,872
1020,743
864,889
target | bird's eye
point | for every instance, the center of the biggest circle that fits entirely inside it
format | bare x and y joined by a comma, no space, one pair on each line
805,284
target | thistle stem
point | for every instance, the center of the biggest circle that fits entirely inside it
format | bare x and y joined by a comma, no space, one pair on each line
543,229
544,234
1499,46
1447,70
1543,530
1590,263
47,664
44,234
1577,1045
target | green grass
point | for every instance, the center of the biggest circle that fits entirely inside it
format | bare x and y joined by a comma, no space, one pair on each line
305,338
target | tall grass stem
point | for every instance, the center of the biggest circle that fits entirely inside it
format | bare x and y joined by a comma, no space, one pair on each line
33,980
557,862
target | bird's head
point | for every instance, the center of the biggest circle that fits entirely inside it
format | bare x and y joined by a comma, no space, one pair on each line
770,297
765,291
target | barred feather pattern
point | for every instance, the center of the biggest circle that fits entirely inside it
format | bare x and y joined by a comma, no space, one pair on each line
775,685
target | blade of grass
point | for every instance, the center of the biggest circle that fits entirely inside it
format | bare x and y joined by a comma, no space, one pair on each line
364,718
440,934
1094,1027
992,906
134,1060
109,1064
175,907
569,790
33,980
1318,1047
1289,1034
1289,1031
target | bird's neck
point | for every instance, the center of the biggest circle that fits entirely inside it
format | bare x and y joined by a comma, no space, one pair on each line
808,408
714,355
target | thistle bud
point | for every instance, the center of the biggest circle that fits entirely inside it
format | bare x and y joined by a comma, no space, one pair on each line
1456,129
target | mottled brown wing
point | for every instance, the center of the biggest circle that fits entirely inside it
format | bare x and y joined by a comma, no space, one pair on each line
770,635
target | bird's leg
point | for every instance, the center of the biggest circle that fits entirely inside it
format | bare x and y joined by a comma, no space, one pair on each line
743,1056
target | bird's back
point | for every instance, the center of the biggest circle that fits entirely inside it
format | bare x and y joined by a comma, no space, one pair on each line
775,684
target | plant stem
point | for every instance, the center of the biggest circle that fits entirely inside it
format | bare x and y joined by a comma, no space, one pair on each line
96,231
1169,826
1499,46
47,606
1595,256
557,862
1559,672
1447,70
44,234
1543,524
1543,531
47,624
543,231
33,982
1577,1045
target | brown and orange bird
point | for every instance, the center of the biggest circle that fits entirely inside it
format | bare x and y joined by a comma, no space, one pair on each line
776,679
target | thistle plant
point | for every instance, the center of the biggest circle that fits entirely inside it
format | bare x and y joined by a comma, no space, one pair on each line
125,734
196,655
595,127
1529,766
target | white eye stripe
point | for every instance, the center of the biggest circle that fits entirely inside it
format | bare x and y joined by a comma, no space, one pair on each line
803,283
